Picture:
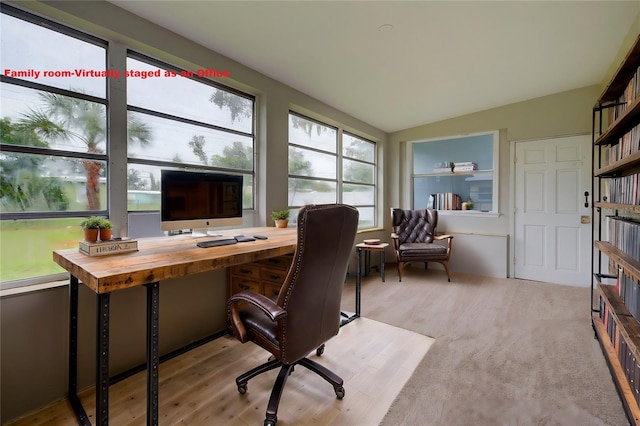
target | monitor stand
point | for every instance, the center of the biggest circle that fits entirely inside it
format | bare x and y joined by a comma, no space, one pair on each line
196,233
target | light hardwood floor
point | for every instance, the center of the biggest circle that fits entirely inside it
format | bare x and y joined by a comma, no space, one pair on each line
198,388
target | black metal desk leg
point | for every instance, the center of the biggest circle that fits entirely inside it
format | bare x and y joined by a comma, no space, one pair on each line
153,359
72,392
367,262
358,282
382,264
102,362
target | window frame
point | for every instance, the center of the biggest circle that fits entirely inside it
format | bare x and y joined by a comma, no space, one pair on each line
339,180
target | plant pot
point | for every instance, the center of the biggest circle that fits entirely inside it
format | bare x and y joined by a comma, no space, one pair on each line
282,223
91,234
105,234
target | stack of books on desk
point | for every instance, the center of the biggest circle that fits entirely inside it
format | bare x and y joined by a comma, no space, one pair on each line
103,248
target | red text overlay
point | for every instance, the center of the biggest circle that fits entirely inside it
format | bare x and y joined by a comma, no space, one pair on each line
111,73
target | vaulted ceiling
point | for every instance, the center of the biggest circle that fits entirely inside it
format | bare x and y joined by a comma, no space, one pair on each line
397,64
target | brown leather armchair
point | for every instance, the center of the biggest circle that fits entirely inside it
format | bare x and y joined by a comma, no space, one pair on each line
307,311
414,232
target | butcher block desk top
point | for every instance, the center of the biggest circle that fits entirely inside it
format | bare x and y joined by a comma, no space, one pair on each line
163,258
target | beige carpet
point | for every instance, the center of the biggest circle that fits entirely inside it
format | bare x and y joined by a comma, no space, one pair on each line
507,352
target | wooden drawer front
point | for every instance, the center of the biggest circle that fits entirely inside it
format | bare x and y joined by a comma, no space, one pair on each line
281,262
271,289
241,284
247,270
273,275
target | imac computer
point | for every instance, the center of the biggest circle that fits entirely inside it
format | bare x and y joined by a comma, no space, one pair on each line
196,200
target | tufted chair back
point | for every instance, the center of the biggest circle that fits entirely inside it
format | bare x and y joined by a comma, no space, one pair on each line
414,226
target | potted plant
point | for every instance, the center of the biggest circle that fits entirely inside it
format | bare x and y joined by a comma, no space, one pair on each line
105,229
91,228
281,218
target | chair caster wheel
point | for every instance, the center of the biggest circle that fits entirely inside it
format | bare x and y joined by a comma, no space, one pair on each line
320,350
269,422
242,388
340,392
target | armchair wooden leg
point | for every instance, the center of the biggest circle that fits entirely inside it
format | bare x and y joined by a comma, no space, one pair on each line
446,268
399,264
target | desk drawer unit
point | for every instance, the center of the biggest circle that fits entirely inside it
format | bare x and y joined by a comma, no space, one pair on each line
264,277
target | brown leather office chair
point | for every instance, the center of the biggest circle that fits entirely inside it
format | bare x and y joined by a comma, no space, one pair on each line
414,232
307,311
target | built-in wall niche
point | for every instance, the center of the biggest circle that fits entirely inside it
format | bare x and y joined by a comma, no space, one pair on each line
456,174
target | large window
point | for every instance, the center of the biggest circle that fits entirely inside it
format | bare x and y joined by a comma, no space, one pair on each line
53,140
56,123
182,122
329,165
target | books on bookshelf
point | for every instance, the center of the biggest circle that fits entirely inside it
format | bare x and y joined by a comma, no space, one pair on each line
628,361
467,166
445,201
624,190
443,167
628,144
103,248
624,234
629,292
627,97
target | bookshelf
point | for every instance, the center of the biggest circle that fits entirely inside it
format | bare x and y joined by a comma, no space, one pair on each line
456,173
616,260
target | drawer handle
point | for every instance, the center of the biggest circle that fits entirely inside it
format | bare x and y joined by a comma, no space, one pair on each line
244,287
274,277
245,271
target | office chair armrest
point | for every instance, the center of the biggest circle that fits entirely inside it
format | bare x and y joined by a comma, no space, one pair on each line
266,305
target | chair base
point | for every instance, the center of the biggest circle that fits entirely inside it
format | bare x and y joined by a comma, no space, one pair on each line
271,417
444,263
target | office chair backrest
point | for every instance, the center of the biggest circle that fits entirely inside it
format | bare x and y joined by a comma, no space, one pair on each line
414,226
312,291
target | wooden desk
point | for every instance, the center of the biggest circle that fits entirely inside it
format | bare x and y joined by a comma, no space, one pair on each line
157,259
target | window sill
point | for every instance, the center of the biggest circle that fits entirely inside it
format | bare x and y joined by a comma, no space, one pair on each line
468,213
32,288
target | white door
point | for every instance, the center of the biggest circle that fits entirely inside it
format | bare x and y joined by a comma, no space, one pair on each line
552,224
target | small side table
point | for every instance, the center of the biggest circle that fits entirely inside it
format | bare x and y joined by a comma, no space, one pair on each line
367,248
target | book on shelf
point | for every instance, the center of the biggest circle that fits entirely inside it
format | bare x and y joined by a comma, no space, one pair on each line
624,234
467,166
443,167
445,201
624,190
104,248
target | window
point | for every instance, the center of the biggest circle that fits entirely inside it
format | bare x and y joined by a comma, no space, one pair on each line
329,165
456,173
53,140
176,120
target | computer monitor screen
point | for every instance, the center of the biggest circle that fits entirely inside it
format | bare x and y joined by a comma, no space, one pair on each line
195,200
